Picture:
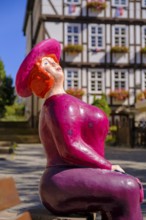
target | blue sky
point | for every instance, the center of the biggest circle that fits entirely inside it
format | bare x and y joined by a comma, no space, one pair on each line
12,39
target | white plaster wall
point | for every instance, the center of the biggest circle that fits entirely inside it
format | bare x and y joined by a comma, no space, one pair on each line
131,9
131,78
114,13
91,99
108,54
84,33
132,34
54,30
137,76
108,81
85,53
144,13
36,15
73,57
137,34
96,13
40,35
48,9
84,77
107,10
108,33
84,8
132,54
76,12
120,58
97,57
28,35
138,9
138,54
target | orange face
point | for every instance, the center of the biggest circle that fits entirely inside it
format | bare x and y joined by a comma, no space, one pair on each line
40,81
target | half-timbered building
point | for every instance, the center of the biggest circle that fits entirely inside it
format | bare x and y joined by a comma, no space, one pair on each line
103,47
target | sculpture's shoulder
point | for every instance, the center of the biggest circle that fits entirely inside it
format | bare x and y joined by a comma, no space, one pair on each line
61,106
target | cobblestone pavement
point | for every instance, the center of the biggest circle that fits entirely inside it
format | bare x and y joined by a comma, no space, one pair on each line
27,165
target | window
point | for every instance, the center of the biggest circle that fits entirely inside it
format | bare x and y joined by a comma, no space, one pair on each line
121,3
120,36
72,78
119,79
72,34
96,36
144,3
73,1
96,81
144,36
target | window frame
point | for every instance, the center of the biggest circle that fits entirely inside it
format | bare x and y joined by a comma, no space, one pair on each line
119,36
119,4
72,25
73,2
72,78
97,35
144,3
120,79
96,80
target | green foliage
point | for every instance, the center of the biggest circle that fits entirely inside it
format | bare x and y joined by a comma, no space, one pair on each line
73,48
14,112
113,128
6,90
143,50
2,71
102,104
119,49
111,138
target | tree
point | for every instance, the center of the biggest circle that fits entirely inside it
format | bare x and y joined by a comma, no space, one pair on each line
2,71
102,104
7,96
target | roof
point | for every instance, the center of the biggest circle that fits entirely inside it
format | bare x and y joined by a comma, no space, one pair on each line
29,8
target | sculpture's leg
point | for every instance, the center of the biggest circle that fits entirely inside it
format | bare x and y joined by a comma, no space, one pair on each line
91,190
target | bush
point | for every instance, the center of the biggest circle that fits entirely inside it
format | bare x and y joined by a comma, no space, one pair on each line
102,104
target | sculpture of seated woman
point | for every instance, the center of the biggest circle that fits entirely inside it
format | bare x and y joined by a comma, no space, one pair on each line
77,177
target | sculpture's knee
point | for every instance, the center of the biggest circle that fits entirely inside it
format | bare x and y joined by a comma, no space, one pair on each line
131,189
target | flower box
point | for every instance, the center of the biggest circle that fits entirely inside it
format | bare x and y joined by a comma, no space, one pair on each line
73,48
119,94
119,49
143,50
141,96
96,5
75,92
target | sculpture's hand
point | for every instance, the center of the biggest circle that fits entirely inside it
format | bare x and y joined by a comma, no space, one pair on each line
117,168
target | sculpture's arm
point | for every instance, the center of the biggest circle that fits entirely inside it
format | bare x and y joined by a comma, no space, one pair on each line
78,152
70,144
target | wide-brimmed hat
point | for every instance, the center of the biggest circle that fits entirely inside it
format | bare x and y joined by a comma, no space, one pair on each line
44,48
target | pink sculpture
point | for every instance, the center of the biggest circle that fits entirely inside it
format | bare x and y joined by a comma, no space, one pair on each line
77,177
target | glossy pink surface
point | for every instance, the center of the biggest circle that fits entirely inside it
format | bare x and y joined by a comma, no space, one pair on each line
45,47
76,132
77,177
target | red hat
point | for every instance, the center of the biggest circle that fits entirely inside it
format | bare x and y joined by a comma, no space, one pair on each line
44,48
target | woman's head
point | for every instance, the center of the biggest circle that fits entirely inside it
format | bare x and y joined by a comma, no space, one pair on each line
29,65
44,75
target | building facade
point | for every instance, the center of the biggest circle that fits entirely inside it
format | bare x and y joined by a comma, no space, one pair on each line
103,46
